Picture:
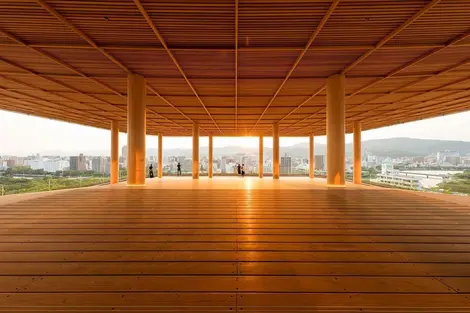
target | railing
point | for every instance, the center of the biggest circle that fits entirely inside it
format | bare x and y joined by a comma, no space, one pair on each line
49,184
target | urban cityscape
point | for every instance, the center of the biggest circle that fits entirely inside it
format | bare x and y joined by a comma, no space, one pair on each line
419,172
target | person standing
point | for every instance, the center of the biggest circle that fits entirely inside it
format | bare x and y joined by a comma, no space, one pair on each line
151,171
178,169
243,170
239,169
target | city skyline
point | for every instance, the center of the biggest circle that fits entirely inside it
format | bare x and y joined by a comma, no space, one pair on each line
45,135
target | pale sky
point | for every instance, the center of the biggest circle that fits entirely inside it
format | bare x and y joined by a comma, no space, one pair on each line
24,135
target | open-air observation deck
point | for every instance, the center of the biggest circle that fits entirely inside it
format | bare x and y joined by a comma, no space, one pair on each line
235,68
232,244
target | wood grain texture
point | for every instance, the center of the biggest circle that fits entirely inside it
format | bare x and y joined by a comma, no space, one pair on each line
235,67
266,250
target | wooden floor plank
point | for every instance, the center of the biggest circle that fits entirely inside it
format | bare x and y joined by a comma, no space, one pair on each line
353,269
118,302
118,268
264,251
357,302
322,284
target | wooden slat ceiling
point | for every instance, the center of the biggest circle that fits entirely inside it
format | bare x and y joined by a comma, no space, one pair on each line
235,66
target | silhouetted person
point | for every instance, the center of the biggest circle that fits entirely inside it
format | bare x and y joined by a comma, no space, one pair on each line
239,169
243,170
178,169
151,171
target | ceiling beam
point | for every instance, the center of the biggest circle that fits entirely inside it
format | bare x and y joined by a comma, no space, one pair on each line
431,102
236,64
303,120
312,38
24,109
318,91
85,37
411,110
37,101
219,78
173,58
50,80
395,32
229,49
93,44
413,62
421,80
60,62
451,106
380,44
75,101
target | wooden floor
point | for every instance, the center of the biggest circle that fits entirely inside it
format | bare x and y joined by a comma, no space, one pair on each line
258,250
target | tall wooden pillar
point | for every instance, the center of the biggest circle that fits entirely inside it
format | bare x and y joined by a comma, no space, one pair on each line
311,157
211,159
276,153
114,170
357,176
261,157
160,155
195,151
335,131
136,130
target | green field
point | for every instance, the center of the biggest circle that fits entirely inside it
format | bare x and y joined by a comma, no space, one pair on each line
22,185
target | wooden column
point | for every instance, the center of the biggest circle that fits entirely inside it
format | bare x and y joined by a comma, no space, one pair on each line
195,151
114,169
160,156
311,157
276,167
357,176
136,130
261,157
335,131
211,159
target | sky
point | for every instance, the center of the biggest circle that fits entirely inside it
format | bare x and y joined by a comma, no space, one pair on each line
25,135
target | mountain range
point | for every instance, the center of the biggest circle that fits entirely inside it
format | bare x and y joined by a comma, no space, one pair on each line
392,147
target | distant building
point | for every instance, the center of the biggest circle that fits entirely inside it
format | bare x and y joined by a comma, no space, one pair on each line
399,180
98,165
187,165
454,160
223,165
443,155
387,169
34,164
11,163
286,165
320,162
124,151
55,165
78,163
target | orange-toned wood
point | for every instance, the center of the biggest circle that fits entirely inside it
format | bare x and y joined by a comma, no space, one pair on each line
114,171
160,155
335,133
311,157
136,131
261,157
299,245
195,151
70,62
211,157
276,152
357,155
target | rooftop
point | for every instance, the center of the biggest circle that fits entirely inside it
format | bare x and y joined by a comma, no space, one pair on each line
201,246
235,66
